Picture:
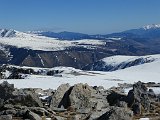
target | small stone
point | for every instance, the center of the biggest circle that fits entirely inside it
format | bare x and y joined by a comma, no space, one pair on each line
6,117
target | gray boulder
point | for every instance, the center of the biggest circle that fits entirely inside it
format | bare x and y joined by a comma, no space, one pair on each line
117,113
6,90
97,114
138,98
98,104
23,97
5,117
80,96
59,96
121,114
26,97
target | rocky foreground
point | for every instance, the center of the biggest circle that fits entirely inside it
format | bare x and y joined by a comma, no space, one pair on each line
80,102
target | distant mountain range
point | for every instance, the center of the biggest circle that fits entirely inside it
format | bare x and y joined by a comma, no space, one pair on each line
148,31
63,35
49,49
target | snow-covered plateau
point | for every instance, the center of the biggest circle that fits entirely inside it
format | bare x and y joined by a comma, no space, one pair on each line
146,72
35,42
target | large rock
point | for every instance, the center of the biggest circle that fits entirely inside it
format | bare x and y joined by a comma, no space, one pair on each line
97,114
98,101
26,97
138,98
59,96
121,114
77,96
80,96
6,90
117,113
12,96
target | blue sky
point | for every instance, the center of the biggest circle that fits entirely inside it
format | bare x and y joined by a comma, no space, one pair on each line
86,16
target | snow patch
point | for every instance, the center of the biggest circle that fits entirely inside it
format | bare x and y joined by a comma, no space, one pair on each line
42,62
114,38
119,59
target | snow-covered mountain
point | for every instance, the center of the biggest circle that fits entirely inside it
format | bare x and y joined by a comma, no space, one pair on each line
152,26
29,49
147,32
34,50
121,62
7,33
65,35
35,42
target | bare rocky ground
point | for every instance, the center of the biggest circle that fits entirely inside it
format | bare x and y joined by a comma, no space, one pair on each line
80,102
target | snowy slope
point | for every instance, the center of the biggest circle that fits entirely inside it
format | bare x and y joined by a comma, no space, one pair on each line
145,72
121,62
148,72
116,60
34,42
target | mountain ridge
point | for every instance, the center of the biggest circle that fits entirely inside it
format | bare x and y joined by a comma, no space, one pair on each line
76,36
20,48
66,35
